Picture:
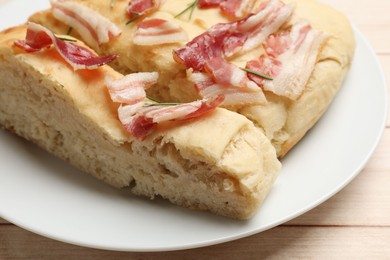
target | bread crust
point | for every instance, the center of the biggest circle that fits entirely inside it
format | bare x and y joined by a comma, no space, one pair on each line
227,169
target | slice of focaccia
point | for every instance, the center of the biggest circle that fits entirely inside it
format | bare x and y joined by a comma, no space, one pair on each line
303,48
218,162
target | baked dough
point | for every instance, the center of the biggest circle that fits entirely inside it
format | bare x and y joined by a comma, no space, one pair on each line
283,121
220,162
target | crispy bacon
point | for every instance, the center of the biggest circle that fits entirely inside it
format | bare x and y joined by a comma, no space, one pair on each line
291,60
94,28
234,96
131,88
158,31
38,37
140,116
226,39
138,8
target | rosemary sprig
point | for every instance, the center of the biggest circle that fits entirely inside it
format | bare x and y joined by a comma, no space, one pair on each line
153,99
66,39
190,7
137,15
69,31
158,103
257,73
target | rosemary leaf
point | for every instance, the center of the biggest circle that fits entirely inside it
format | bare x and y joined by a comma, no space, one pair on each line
112,3
153,99
137,15
158,103
69,31
257,73
191,6
66,39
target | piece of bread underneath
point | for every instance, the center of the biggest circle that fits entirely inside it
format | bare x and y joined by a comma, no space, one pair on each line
220,162
284,121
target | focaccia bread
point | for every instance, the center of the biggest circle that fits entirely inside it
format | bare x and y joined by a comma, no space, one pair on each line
218,162
283,120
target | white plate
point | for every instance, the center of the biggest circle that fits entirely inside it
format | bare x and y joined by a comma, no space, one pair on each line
44,195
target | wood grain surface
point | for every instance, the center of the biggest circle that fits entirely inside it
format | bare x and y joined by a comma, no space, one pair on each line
353,224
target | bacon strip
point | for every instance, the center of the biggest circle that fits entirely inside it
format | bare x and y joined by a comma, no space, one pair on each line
94,28
38,37
204,47
158,31
141,116
209,3
131,88
231,8
237,8
144,121
137,8
267,21
138,126
291,60
227,39
234,96
265,65
227,74
207,51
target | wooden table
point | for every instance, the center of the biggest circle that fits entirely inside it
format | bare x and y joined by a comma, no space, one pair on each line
354,224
